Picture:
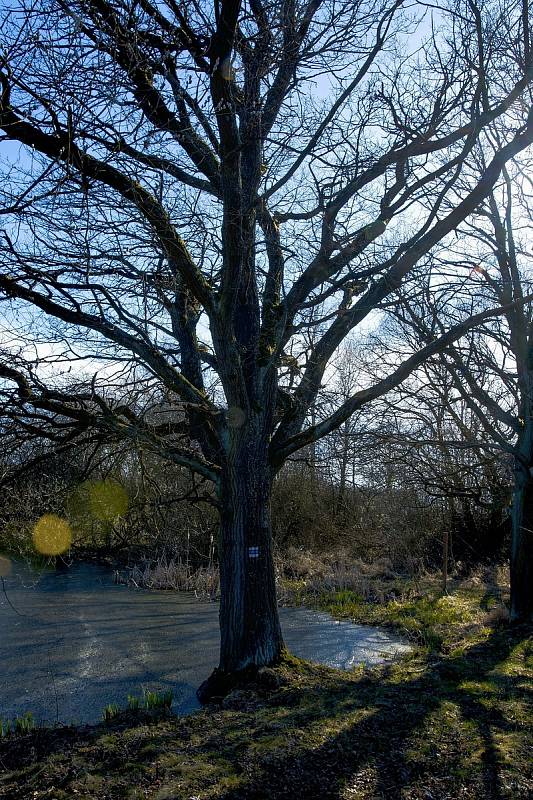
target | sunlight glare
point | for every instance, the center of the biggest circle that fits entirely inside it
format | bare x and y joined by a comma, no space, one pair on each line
107,499
52,535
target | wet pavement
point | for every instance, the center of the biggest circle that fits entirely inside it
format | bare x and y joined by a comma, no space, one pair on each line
72,641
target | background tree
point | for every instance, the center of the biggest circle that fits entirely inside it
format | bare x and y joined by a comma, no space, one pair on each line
491,369
437,445
200,184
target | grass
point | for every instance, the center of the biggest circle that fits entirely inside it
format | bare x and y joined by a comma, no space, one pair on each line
19,726
418,610
134,703
110,712
149,701
428,620
173,574
153,700
450,721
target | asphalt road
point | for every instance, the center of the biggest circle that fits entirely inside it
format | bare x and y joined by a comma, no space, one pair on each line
71,642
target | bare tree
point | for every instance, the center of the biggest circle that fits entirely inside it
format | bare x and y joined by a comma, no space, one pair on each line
440,447
492,369
201,183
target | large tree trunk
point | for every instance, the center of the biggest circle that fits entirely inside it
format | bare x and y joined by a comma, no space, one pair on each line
522,548
249,621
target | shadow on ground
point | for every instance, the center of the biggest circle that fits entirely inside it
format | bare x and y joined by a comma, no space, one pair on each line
453,731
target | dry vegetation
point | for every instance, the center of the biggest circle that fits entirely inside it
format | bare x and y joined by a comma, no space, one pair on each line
164,573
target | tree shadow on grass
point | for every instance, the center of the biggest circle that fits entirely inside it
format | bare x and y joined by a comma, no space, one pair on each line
429,737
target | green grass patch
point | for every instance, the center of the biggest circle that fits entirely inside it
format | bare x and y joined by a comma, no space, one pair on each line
19,726
432,619
151,700
110,712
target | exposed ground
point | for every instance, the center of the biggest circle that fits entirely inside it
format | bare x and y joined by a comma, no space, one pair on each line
453,720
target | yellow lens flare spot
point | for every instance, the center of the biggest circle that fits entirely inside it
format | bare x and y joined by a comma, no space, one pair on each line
52,535
5,567
107,500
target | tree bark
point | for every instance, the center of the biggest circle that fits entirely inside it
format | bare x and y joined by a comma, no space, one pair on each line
249,621
522,548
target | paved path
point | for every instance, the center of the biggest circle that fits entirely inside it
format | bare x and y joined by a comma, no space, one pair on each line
71,642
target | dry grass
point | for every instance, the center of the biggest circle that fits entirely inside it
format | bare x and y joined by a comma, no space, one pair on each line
318,573
172,574
303,577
